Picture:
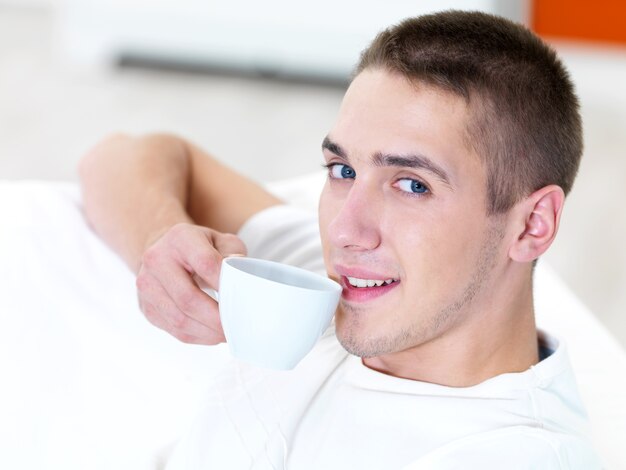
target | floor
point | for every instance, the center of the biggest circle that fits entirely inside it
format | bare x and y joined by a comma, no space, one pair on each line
51,112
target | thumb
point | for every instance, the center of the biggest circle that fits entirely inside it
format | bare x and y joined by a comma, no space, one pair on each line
228,244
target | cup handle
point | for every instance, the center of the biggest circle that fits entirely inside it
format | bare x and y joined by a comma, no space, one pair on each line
215,295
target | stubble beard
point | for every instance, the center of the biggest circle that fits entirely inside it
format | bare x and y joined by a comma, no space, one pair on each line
419,333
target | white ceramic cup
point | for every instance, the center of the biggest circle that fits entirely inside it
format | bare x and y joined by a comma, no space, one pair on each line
273,313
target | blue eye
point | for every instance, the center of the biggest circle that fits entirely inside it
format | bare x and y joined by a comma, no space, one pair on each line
412,186
340,171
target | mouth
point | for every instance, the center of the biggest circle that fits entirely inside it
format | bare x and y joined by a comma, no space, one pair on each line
364,283
357,289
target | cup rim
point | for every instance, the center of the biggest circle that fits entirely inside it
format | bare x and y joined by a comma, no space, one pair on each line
328,284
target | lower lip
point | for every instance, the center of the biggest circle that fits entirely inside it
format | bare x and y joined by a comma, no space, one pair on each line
364,294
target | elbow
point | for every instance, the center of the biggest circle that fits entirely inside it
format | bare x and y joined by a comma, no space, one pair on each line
92,159
122,151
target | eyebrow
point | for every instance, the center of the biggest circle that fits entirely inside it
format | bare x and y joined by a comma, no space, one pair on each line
417,161
334,148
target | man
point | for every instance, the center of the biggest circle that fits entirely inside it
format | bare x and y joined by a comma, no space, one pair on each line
448,166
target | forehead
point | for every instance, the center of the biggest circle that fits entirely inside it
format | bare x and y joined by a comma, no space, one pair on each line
385,112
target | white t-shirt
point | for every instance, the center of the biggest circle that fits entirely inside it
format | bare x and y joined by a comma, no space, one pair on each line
332,412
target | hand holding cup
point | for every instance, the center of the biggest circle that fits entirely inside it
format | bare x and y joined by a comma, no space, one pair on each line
167,283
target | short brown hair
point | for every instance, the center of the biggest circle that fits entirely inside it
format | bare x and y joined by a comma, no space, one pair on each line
525,123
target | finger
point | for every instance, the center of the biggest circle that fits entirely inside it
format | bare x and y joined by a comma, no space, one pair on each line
228,244
189,331
206,263
170,263
196,252
179,286
163,277
162,311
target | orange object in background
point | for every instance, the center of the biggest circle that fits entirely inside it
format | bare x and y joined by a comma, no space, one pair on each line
603,20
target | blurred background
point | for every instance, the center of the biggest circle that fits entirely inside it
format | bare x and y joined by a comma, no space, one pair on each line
258,84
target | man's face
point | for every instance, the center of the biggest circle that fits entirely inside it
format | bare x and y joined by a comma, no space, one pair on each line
404,206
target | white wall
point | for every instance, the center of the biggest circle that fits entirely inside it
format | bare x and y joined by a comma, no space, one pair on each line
29,3
319,38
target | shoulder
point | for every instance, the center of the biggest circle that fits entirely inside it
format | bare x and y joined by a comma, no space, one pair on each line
286,234
516,447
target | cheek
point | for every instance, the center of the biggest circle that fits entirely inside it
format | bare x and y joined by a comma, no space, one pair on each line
437,251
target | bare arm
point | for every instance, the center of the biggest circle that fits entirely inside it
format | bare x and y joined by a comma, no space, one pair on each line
136,188
169,210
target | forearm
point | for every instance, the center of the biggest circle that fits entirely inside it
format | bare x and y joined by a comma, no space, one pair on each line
134,189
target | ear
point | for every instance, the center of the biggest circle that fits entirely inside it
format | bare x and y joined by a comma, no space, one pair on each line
539,214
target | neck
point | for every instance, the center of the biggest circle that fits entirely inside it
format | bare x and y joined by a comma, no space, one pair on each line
496,336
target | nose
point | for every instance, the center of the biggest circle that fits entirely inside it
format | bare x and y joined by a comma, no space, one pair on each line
356,224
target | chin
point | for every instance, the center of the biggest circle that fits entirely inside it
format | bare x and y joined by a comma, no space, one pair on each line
355,347
348,332
364,340
358,342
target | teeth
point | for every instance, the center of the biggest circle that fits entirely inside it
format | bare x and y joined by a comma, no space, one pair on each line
356,282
